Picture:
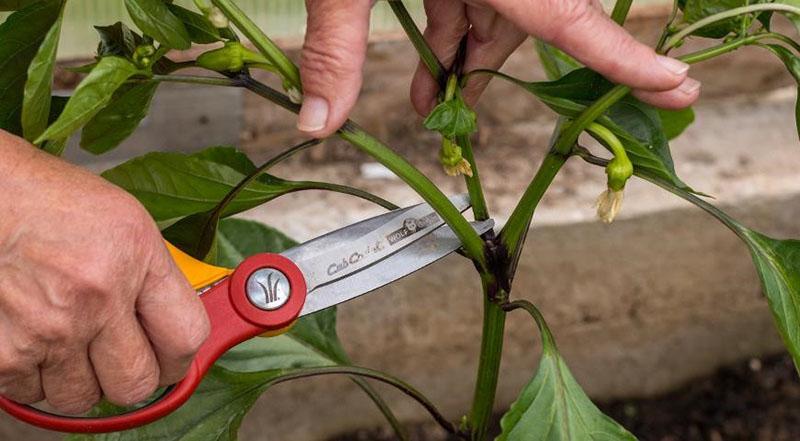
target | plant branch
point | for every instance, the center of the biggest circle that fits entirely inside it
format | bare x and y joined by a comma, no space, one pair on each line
675,40
355,135
344,189
277,58
426,54
530,308
383,407
620,12
378,376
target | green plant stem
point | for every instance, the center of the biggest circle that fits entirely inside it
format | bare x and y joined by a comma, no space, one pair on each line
344,189
383,407
479,208
259,39
493,332
715,51
665,34
620,12
472,243
435,67
374,375
530,308
675,40
355,135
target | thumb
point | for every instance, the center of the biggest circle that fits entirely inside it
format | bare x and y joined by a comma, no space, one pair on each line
581,29
331,63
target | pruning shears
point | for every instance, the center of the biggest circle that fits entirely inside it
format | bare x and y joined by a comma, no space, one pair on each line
267,293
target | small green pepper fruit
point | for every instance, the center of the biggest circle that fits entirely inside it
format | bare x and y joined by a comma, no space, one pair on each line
452,160
232,57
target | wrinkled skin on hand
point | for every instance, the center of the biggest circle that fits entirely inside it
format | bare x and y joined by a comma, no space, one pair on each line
336,41
91,303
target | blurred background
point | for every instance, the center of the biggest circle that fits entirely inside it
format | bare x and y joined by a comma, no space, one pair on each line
659,315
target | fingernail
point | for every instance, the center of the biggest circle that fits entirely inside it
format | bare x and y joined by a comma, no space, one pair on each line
690,86
677,67
313,114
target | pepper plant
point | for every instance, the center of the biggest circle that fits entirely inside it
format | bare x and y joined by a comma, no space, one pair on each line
193,196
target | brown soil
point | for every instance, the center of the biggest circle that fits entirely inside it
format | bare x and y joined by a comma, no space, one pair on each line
758,400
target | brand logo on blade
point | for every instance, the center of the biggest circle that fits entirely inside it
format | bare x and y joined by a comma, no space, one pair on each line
410,227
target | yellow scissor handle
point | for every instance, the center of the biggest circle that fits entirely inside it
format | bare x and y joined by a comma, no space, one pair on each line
202,275
199,274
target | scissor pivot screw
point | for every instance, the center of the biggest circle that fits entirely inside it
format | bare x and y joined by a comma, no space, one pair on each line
268,289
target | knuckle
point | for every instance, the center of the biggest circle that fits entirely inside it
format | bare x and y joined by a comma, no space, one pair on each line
134,386
76,402
325,60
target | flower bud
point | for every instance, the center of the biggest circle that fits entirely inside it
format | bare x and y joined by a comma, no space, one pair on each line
142,56
619,170
232,57
217,18
452,160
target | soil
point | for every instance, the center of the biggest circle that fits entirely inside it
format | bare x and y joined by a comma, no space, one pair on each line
757,400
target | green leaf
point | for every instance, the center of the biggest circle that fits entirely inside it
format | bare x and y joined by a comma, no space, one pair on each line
792,63
452,118
201,31
13,5
119,119
777,263
117,39
155,19
39,85
675,122
695,10
556,63
553,407
173,186
638,125
91,96
20,37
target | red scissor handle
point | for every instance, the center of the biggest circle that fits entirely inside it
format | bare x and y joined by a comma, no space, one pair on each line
234,319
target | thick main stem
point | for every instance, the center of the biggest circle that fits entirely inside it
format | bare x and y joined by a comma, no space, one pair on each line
493,332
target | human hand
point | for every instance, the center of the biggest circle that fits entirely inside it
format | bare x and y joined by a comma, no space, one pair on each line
91,302
336,41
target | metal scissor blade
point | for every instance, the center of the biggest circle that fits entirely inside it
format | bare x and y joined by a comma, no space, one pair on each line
341,253
416,256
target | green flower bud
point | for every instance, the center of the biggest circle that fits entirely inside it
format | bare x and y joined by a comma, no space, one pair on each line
142,56
229,58
452,160
619,170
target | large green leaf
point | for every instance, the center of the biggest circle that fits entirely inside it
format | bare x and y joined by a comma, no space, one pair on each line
676,121
556,63
200,30
119,119
792,63
91,96
173,186
13,5
695,10
39,85
553,407
155,19
638,125
777,263
20,37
